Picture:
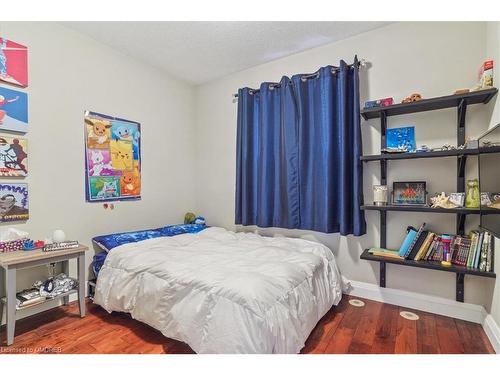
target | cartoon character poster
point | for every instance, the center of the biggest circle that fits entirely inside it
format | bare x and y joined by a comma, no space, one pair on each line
13,63
113,158
13,110
14,202
13,157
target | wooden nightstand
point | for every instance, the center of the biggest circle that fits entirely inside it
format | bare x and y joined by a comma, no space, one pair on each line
13,261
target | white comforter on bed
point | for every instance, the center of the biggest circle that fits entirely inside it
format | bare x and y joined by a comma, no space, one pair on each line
223,292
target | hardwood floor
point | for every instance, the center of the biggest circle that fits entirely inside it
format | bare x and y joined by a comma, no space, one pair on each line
374,328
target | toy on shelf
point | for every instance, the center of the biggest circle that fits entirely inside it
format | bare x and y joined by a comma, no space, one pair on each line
472,197
461,91
412,98
485,76
385,102
446,241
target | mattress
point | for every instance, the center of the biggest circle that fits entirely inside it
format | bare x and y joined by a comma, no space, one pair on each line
223,292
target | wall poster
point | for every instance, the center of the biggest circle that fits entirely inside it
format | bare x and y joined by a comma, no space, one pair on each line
112,158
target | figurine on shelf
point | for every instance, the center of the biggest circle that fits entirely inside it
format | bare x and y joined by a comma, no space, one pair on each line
472,198
423,148
412,98
442,201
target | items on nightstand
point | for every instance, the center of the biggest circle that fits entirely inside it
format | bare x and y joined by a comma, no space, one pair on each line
412,98
58,235
61,246
12,239
379,195
56,285
28,297
472,197
33,245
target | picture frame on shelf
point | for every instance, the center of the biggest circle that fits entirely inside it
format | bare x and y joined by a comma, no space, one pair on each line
409,193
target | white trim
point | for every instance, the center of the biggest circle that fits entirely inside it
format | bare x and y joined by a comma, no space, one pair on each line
423,302
493,332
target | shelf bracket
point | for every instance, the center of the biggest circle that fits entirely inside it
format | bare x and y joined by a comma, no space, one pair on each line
382,274
460,287
460,224
461,112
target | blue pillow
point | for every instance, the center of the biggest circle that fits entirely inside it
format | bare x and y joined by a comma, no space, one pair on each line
110,241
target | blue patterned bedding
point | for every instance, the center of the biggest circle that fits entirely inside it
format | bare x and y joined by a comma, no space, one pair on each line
110,241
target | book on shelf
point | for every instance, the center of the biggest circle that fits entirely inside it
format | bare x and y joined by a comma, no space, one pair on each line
415,242
425,246
385,253
28,297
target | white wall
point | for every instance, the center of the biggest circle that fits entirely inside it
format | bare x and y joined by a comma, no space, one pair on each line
431,58
493,52
70,73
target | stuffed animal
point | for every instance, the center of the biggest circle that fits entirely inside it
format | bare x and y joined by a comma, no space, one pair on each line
189,218
412,98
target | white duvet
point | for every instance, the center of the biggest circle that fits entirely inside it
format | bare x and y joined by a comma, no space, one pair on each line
223,292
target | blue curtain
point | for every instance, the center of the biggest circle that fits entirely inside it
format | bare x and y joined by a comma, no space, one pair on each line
298,153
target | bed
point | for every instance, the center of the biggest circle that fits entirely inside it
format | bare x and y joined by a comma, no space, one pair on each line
223,292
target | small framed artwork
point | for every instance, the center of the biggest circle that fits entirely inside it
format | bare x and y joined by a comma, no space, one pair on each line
401,138
13,63
13,110
409,193
13,157
14,202
457,199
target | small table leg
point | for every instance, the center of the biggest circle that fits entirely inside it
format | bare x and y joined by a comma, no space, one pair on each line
10,282
65,269
81,283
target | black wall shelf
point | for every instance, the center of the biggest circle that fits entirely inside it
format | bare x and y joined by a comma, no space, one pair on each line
432,154
459,210
441,102
460,102
432,265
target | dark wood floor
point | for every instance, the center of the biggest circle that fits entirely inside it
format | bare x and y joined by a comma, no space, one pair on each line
374,328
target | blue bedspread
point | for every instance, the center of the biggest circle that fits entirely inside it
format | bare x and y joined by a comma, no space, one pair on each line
110,241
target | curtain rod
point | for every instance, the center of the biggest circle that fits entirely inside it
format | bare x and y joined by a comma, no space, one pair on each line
361,63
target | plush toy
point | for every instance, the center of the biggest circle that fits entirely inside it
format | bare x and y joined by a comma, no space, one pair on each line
189,218
199,220
412,98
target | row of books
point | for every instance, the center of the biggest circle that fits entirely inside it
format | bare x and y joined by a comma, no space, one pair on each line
473,251
28,297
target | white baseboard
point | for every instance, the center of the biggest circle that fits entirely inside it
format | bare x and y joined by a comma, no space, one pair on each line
493,332
436,305
418,301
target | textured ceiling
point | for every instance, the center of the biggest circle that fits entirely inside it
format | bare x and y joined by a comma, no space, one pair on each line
198,52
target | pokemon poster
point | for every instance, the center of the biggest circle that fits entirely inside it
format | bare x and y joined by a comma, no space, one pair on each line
13,110
13,63
112,158
13,202
13,157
